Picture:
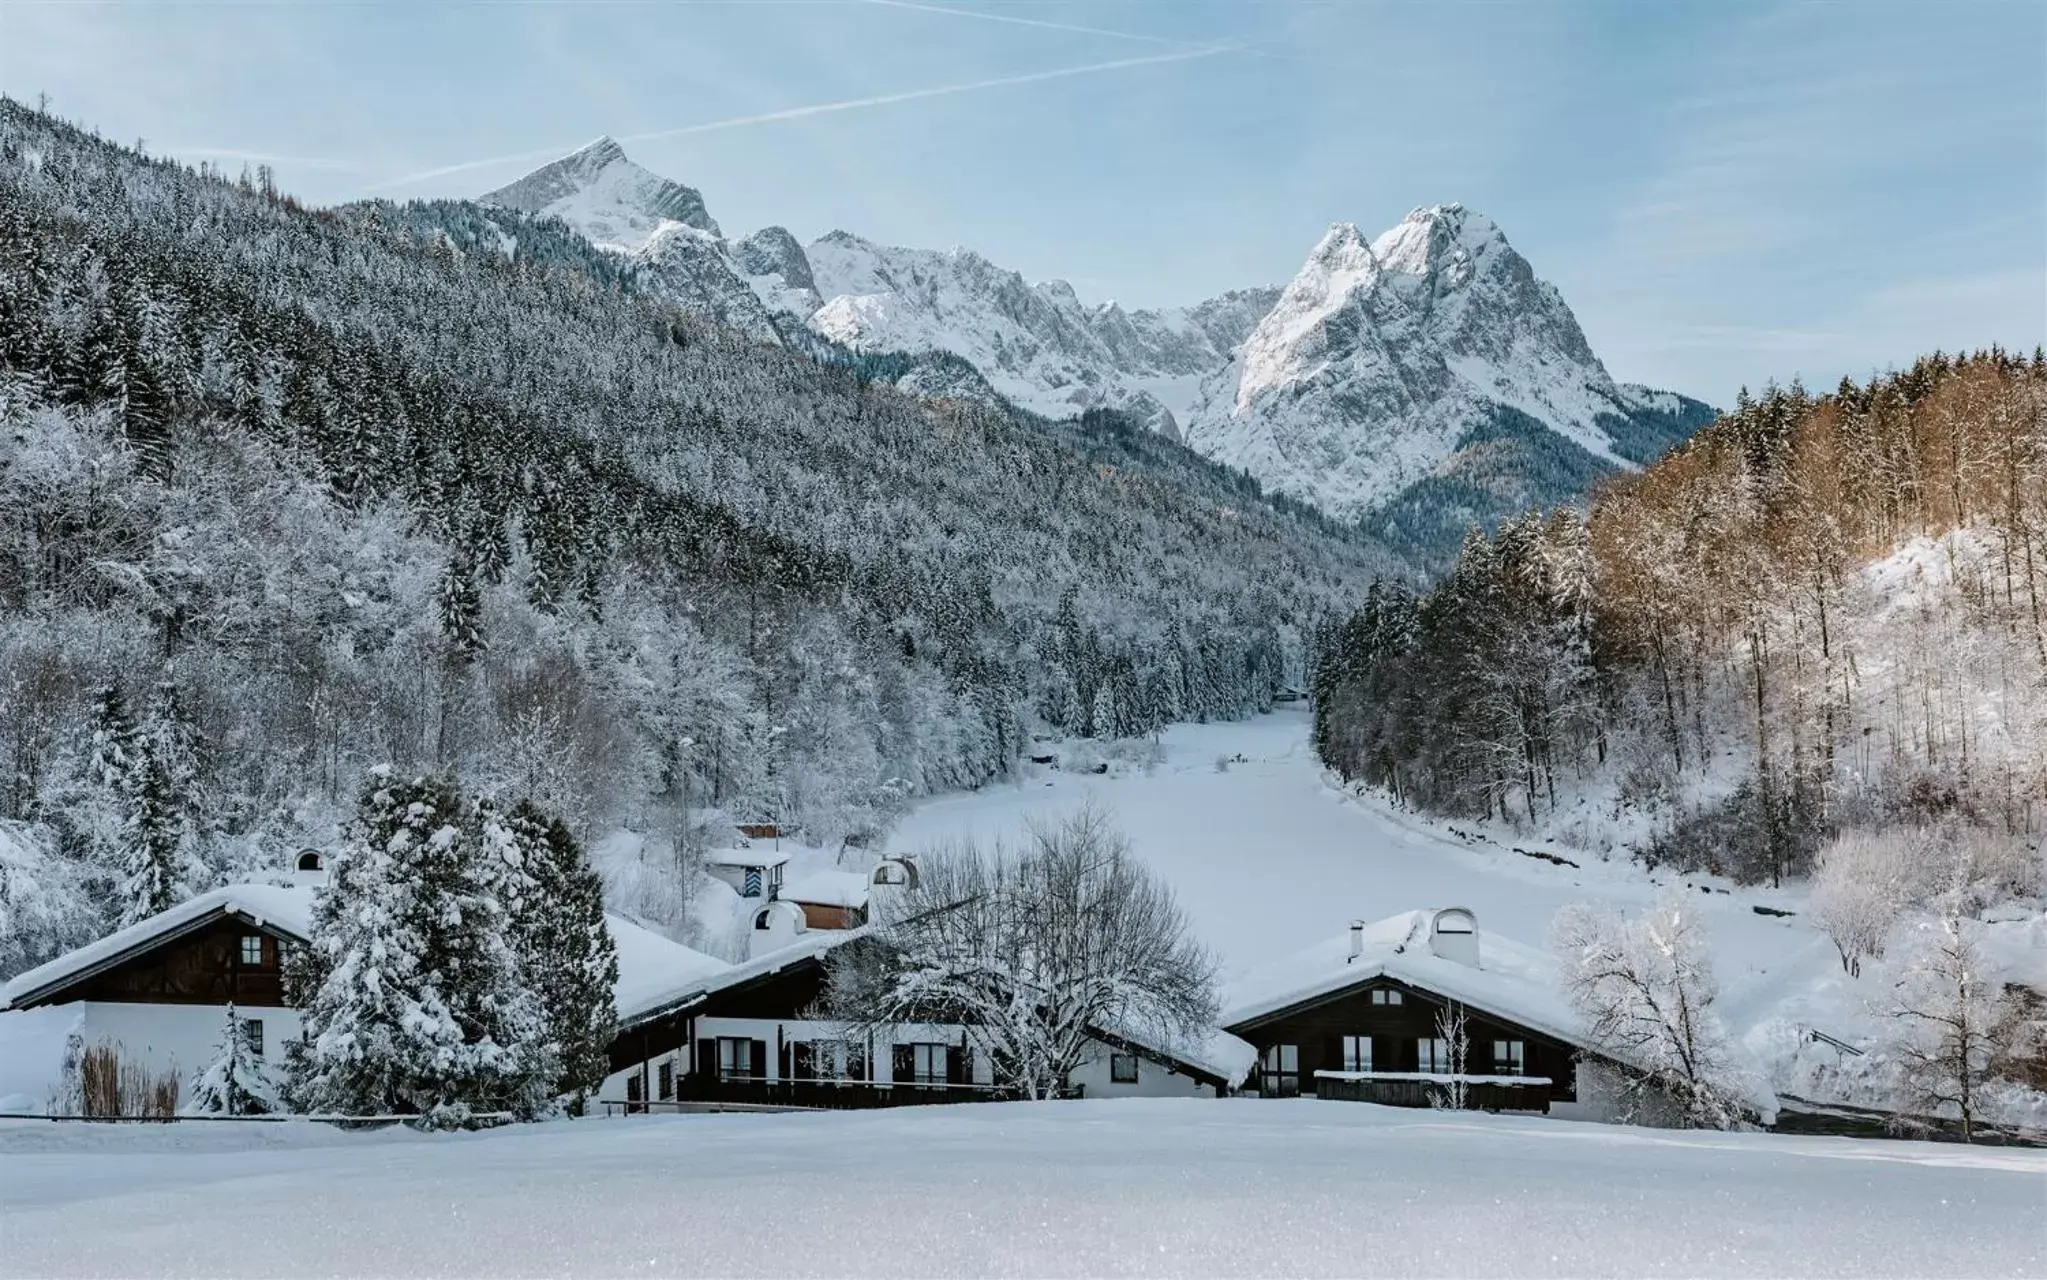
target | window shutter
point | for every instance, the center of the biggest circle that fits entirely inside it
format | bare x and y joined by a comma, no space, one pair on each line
904,1060
957,1064
759,1060
707,1058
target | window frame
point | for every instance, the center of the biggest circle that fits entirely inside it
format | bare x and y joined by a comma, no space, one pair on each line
1432,1055
1277,1079
1387,996
252,1035
242,954
735,1063
1510,1057
1357,1053
1117,1061
928,1062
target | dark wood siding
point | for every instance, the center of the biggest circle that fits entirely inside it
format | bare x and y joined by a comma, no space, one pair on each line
1318,1027
202,966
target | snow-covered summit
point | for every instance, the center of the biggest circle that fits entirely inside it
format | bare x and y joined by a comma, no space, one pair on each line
1382,357
1430,352
614,202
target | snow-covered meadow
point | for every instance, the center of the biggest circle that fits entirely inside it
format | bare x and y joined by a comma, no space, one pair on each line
1127,1187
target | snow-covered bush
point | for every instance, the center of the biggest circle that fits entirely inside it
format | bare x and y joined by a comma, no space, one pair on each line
1863,883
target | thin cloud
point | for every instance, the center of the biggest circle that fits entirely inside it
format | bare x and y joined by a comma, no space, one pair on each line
1241,46
819,109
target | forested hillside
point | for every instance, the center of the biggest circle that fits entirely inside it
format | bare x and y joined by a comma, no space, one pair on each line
1822,613
288,494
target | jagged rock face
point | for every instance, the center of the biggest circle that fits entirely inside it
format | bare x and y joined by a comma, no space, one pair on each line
1380,357
607,197
1424,378
661,226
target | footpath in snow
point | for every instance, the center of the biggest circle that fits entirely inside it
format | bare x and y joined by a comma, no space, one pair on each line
1125,1187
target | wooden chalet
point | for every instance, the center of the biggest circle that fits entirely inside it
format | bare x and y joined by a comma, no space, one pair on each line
1361,1018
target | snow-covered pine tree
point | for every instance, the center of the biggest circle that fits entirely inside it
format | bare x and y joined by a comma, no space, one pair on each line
152,877
170,740
570,956
461,605
235,1083
418,1001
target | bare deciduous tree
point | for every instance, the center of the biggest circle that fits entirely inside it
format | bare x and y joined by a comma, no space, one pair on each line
1454,1092
1646,989
1032,949
1944,1015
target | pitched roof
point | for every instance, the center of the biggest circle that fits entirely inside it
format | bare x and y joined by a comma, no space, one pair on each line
649,965
809,947
1512,980
288,911
1217,1055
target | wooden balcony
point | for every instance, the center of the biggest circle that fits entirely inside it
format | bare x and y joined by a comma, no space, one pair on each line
1420,1089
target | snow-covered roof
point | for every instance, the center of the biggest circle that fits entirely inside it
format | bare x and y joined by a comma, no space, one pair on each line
651,966
284,910
745,857
811,945
1217,1053
829,889
1511,980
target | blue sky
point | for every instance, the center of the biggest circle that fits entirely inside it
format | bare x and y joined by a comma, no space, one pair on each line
1723,192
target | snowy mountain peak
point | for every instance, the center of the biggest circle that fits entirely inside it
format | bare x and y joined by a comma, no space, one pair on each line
1436,237
615,203
1384,361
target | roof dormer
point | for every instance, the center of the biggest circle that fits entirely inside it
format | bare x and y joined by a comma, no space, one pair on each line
1453,935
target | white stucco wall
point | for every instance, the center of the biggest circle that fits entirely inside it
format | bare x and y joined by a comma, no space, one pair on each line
1153,1079
178,1037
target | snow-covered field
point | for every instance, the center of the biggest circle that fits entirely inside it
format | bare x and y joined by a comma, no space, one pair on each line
1267,857
1126,1187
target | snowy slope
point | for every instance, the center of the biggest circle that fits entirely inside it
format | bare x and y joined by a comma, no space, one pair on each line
1271,864
1126,1187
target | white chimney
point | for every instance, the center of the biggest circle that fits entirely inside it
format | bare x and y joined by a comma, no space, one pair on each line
1453,935
309,871
1357,939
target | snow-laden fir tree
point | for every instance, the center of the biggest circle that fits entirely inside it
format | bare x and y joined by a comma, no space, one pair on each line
418,1000
152,846
569,954
236,1082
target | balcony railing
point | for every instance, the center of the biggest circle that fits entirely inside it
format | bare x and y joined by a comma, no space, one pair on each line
834,1095
1422,1089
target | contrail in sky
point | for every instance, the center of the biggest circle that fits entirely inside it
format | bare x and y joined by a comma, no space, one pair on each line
982,15
821,108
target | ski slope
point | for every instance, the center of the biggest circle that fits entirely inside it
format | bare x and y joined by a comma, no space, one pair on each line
1127,1187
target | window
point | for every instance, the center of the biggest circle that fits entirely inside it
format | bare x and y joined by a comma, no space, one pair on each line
1280,1071
735,1057
1123,1068
1509,1058
252,951
666,1080
252,1035
927,1063
765,920
632,1088
1357,1053
1385,995
1433,1056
